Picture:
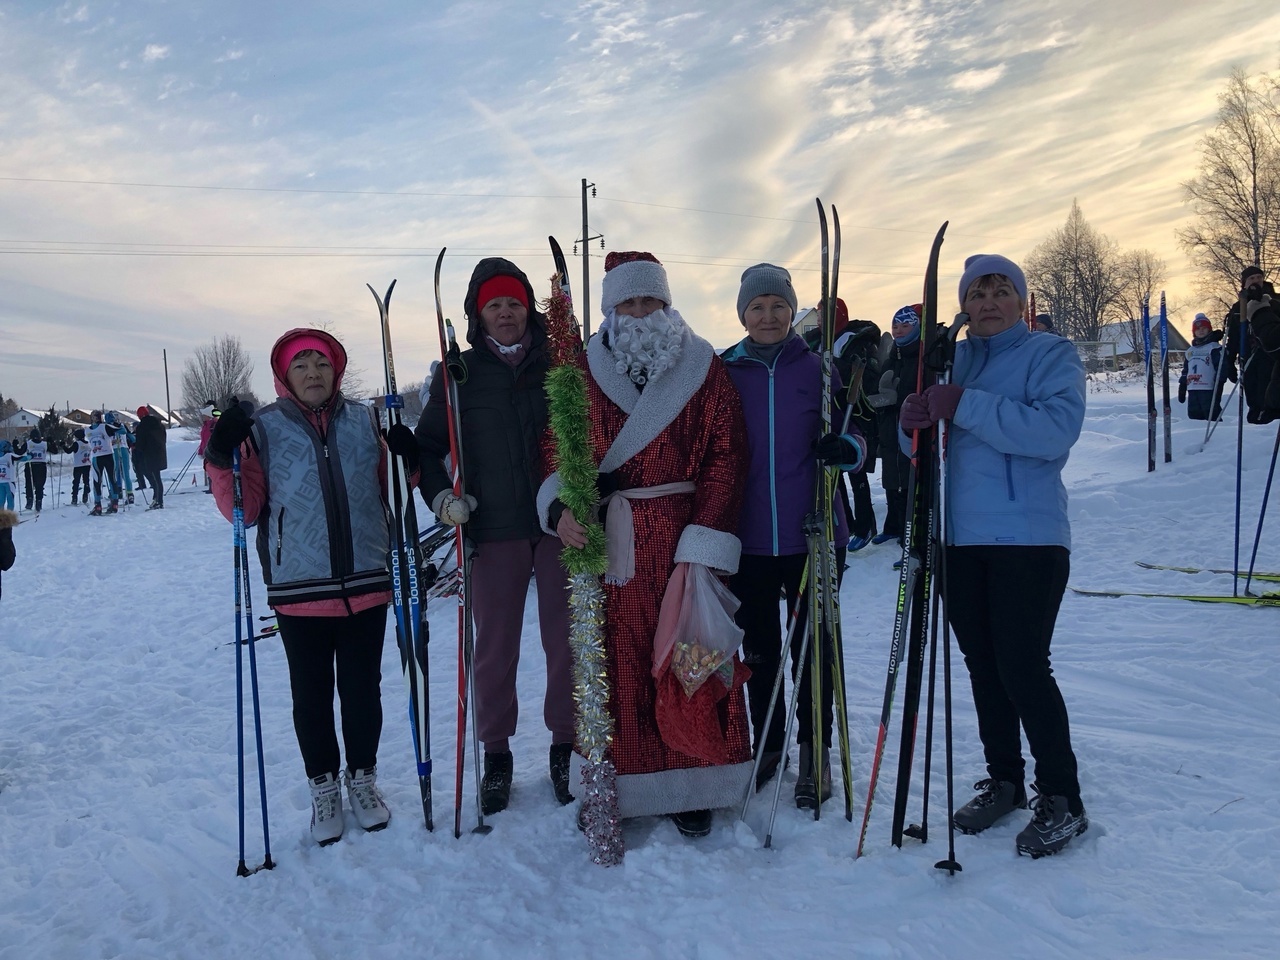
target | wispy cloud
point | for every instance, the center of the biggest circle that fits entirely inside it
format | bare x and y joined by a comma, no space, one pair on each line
903,113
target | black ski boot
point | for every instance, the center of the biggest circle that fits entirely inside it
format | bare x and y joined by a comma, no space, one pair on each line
495,787
559,764
692,823
769,763
998,799
1052,826
806,791
96,511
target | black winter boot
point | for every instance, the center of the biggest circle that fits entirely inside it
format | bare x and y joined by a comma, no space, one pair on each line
561,753
495,787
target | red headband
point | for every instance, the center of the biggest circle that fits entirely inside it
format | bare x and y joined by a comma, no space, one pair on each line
503,285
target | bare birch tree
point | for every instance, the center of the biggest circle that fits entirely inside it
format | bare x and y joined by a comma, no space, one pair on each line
1236,193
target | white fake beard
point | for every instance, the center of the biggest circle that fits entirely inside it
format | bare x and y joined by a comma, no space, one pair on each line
646,348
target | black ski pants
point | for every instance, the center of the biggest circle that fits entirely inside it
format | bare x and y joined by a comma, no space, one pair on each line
863,522
895,512
37,474
313,646
80,475
105,465
1002,603
758,585
155,483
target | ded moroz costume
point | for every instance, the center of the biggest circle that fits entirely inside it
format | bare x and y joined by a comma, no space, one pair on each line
667,433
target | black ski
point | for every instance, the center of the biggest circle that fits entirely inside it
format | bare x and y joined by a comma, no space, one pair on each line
917,548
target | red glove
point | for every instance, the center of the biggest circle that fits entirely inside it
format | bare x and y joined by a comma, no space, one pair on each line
915,413
943,398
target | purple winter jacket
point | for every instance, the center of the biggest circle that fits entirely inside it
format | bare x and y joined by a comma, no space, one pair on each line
783,410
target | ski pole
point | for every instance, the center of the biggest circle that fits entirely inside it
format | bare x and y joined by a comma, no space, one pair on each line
182,473
1262,512
242,579
1243,344
801,598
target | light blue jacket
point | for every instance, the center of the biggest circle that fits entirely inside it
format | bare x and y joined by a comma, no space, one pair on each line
1020,414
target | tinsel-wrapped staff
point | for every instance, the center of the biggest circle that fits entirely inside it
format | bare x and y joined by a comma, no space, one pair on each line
568,414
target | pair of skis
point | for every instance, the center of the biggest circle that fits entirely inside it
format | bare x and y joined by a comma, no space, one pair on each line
922,579
410,592
411,630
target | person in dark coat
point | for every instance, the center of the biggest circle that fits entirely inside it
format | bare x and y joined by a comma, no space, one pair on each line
8,520
897,379
1257,374
504,419
150,454
1262,308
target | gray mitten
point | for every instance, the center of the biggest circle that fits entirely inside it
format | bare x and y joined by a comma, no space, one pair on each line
887,395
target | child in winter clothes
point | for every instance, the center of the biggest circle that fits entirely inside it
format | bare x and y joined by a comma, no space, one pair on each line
1198,384
100,434
8,473
81,459
8,520
313,478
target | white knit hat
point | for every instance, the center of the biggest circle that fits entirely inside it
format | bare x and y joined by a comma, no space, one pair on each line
633,273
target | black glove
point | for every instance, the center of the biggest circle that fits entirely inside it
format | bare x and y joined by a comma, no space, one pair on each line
402,443
1229,368
1182,393
838,450
231,430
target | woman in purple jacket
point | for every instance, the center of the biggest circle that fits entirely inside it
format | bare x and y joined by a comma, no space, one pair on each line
780,382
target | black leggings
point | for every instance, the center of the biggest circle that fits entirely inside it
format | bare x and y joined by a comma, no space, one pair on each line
313,645
105,465
758,585
80,475
1002,603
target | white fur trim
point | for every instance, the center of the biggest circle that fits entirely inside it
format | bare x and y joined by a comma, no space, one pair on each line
710,547
638,278
549,490
674,791
650,412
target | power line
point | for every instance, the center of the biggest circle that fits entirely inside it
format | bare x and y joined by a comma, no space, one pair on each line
460,196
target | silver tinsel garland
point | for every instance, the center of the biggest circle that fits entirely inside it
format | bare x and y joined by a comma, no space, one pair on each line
599,817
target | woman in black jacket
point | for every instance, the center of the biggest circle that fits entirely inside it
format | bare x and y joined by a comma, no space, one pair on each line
504,419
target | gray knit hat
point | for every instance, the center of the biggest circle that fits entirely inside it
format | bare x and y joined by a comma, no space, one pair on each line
985,264
765,278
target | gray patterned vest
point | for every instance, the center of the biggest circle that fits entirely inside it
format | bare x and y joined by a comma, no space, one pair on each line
333,545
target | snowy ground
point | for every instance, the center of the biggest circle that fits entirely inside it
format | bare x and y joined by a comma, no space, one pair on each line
118,773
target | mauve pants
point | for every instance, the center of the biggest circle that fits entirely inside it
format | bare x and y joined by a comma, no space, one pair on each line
499,583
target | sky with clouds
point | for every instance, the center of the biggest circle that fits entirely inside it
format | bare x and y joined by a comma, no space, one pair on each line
172,171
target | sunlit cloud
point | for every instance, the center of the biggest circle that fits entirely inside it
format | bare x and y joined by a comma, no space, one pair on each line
708,135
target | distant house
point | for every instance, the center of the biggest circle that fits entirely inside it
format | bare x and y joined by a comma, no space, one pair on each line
80,416
1124,333
19,423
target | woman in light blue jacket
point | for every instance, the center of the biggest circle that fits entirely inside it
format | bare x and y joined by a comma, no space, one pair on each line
1015,405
